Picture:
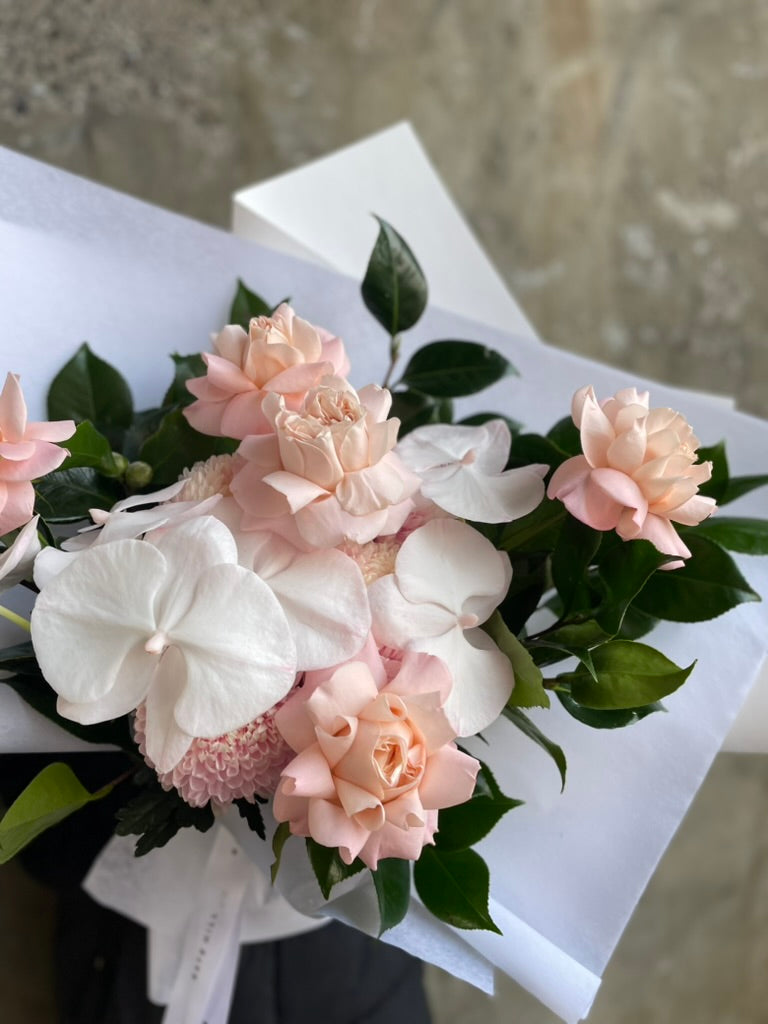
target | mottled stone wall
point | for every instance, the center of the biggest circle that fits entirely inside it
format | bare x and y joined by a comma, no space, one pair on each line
611,154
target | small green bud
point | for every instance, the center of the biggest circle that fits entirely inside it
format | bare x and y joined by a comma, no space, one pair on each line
138,475
121,464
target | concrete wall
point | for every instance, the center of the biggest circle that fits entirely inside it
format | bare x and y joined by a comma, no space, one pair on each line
611,154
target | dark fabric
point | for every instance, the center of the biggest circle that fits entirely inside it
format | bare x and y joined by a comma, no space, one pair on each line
335,975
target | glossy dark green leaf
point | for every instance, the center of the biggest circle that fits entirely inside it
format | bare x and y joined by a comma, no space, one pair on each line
156,816
462,826
328,866
529,691
279,839
246,305
87,388
538,531
251,812
530,578
176,446
184,368
527,727
448,369
624,570
749,536
565,436
392,881
629,675
394,287
606,719
532,448
50,797
706,586
576,547
88,447
66,495
453,885
29,684
717,485
738,486
577,639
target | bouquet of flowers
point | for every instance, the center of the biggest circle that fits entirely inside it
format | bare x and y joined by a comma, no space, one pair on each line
303,599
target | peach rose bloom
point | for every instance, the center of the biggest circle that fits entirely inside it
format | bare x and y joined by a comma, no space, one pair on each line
281,353
330,466
27,451
375,759
638,473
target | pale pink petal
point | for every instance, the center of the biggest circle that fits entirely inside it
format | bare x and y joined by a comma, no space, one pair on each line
569,476
297,490
325,524
344,695
294,724
330,826
13,410
627,451
421,673
16,562
44,458
693,511
596,431
449,778
17,503
308,775
356,801
660,532
50,430
293,809
244,415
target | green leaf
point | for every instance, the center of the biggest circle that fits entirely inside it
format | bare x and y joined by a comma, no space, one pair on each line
392,881
526,726
454,885
156,816
573,554
717,484
87,388
66,495
87,447
738,486
252,814
706,586
51,796
606,719
479,418
749,536
184,368
176,446
629,675
573,638
531,448
462,826
246,305
328,866
448,369
30,685
529,690
624,570
279,839
538,531
530,578
394,287
566,436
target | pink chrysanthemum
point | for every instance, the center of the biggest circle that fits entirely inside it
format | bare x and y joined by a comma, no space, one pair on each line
242,764
207,478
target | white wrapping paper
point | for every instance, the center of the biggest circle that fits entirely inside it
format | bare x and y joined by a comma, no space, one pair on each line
79,262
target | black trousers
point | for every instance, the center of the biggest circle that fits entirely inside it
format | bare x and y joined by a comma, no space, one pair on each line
334,975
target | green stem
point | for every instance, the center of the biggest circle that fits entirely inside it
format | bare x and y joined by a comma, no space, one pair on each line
6,613
395,344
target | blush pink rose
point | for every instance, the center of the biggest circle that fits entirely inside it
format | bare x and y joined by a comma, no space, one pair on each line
281,353
329,466
638,473
375,759
27,451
